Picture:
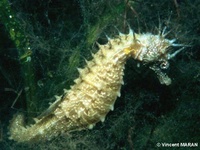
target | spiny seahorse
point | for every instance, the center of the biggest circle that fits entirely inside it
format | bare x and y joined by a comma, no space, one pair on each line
96,89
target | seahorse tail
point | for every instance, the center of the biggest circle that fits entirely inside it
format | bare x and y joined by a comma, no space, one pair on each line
39,131
17,127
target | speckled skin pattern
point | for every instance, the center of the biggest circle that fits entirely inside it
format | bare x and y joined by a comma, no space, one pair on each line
95,90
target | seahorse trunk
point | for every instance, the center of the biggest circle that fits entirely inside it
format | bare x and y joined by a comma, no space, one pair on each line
88,101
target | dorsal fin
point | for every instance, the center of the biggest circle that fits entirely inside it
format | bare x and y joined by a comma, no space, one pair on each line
51,108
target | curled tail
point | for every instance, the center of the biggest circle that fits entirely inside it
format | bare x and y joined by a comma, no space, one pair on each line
36,132
17,126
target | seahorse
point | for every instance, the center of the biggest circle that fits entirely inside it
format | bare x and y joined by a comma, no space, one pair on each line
96,89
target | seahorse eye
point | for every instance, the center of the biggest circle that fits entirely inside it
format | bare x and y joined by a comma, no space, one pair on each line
164,65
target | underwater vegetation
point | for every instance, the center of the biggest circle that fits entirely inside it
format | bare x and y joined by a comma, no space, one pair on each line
43,42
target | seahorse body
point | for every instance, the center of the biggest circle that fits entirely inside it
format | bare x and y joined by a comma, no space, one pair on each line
94,93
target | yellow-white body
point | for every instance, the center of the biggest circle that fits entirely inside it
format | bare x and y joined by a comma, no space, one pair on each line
95,90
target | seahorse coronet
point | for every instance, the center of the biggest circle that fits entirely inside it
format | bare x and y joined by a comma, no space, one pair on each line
96,89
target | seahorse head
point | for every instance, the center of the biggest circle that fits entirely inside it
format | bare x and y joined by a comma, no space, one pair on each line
152,48
155,49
